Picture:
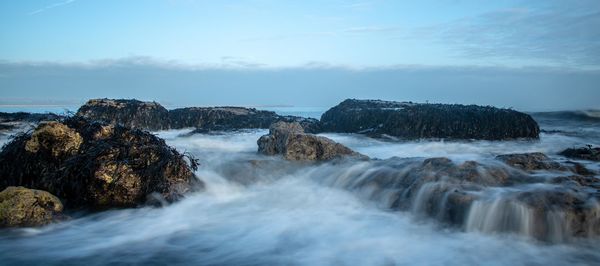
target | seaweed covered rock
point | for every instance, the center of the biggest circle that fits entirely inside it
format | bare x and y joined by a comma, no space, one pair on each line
413,121
586,153
289,140
153,116
23,207
129,113
221,118
96,165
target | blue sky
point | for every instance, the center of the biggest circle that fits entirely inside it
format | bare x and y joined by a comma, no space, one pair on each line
527,54
272,33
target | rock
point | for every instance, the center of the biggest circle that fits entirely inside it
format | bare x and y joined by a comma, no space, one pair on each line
586,153
539,161
309,125
289,140
414,121
129,113
97,166
23,207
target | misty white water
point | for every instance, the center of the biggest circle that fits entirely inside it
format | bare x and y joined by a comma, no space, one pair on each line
260,210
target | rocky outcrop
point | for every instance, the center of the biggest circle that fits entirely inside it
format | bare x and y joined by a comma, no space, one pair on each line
153,116
22,207
290,140
413,121
586,153
129,113
95,165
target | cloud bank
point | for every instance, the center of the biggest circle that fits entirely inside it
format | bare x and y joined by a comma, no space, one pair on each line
527,89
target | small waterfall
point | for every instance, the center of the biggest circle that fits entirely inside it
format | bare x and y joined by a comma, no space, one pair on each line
500,215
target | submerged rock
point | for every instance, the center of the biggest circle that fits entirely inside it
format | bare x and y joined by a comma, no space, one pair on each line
530,161
96,165
290,140
586,153
538,161
23,207
129,113
413,121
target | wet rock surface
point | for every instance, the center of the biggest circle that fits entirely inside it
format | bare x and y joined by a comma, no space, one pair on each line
97,166
585,153
489,196
290,140
414,121
23,207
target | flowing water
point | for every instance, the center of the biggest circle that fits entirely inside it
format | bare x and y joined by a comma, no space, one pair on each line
260,210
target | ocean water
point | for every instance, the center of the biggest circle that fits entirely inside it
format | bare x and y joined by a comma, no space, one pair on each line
260,210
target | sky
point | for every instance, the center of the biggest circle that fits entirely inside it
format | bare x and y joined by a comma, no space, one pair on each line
529,54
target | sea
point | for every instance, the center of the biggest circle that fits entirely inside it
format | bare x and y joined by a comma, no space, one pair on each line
282,213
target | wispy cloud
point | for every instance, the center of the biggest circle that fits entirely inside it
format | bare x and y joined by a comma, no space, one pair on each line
54,5
371,29
561,32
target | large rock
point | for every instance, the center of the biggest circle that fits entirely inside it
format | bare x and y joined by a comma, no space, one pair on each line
586,153
96,165
129,113
290,140
413,121
22,207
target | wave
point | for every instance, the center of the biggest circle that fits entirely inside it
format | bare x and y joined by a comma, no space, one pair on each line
579,115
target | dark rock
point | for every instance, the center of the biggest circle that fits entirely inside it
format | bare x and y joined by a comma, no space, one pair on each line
129,113
153,116
27,117
23,207
586,153
96,165
413,121
11,121
289,140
